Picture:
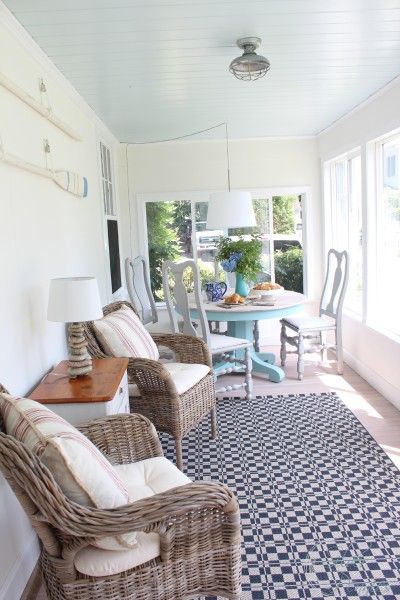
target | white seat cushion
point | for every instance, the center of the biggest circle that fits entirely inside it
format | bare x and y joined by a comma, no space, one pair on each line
184,376
97,563
143,479
80,469
151,476
121,333
224,343
309,323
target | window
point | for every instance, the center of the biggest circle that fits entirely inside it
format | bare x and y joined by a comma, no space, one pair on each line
106,176
344,221
110,213
388,234
177,229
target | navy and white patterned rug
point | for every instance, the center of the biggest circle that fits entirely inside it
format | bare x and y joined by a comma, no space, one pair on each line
319,499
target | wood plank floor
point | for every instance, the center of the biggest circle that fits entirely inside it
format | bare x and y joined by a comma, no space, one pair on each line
378,415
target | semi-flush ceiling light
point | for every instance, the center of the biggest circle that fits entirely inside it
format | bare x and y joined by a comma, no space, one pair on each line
230,209
249,66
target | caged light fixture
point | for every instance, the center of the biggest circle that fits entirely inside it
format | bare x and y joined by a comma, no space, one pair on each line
250,66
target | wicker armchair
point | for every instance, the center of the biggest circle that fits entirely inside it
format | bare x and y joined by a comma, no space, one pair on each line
198,524
159,401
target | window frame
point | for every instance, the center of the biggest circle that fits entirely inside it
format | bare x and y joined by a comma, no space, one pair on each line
375,154
330,215
106,215
372,172
203,196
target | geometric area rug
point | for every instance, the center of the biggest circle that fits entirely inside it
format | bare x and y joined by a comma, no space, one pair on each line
319,499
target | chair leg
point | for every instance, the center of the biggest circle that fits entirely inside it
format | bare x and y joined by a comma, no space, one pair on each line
256,336
178,453
339,350
248,377
300,360
283,345
214,426
322,336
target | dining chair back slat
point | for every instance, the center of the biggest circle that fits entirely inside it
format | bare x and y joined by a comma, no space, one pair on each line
337,275
177,299
139,289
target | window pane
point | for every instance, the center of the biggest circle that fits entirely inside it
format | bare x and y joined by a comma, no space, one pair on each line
346,223
340,208
288,241
353,299
169,237
388,238
206,245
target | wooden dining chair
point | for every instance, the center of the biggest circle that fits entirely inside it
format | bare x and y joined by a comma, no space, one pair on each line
139,289
310,332
230,354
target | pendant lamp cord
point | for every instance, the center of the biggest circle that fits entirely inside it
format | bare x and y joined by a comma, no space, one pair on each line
227,157
181,137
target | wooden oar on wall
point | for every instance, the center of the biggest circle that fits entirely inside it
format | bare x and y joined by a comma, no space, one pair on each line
67,180
45,111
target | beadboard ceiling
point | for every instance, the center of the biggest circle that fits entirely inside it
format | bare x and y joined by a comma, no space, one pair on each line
154,69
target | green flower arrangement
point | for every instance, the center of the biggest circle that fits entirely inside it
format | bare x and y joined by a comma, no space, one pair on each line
242,256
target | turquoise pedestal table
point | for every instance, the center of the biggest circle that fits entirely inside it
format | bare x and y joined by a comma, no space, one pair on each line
240,320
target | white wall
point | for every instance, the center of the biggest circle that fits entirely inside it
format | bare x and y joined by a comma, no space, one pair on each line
374,355
201,165
45,232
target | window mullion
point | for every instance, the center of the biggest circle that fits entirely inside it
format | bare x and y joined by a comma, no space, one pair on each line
271,237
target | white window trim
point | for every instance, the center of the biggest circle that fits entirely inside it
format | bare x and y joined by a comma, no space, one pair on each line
118,294
369,190
204,196
374,150
328,167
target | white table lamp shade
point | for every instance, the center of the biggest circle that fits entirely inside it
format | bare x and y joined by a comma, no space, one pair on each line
227,210
74,299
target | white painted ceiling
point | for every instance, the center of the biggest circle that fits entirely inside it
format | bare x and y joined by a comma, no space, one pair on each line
154,69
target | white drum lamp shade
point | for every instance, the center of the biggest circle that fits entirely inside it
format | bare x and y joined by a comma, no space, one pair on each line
74,299
227,210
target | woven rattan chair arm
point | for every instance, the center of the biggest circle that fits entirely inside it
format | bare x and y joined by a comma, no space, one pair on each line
151,376
157,513
124,438
149,514
187,348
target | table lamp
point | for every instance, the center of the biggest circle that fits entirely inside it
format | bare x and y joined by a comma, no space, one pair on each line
74,300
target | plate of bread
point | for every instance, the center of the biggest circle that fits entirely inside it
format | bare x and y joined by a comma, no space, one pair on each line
233,300
267,288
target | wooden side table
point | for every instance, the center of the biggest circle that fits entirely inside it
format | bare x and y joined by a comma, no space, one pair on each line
103,392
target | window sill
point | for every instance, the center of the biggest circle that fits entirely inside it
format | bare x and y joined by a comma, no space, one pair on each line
373,327
394,337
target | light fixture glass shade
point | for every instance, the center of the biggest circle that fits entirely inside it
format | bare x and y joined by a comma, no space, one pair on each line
227,210
250,65
74,300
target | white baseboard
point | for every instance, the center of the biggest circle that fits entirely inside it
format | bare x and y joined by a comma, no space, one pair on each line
384,387
17,578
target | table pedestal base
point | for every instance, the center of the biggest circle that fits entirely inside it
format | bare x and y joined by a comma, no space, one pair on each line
263,362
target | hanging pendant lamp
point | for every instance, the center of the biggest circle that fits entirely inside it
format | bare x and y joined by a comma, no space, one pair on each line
230,209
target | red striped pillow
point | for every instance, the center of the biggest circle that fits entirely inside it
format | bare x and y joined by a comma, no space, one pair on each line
121,333
80,469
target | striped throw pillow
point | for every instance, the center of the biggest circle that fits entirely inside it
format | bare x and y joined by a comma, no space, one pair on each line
79,468
121,333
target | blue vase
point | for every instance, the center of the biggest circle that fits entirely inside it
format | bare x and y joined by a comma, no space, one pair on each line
241,286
